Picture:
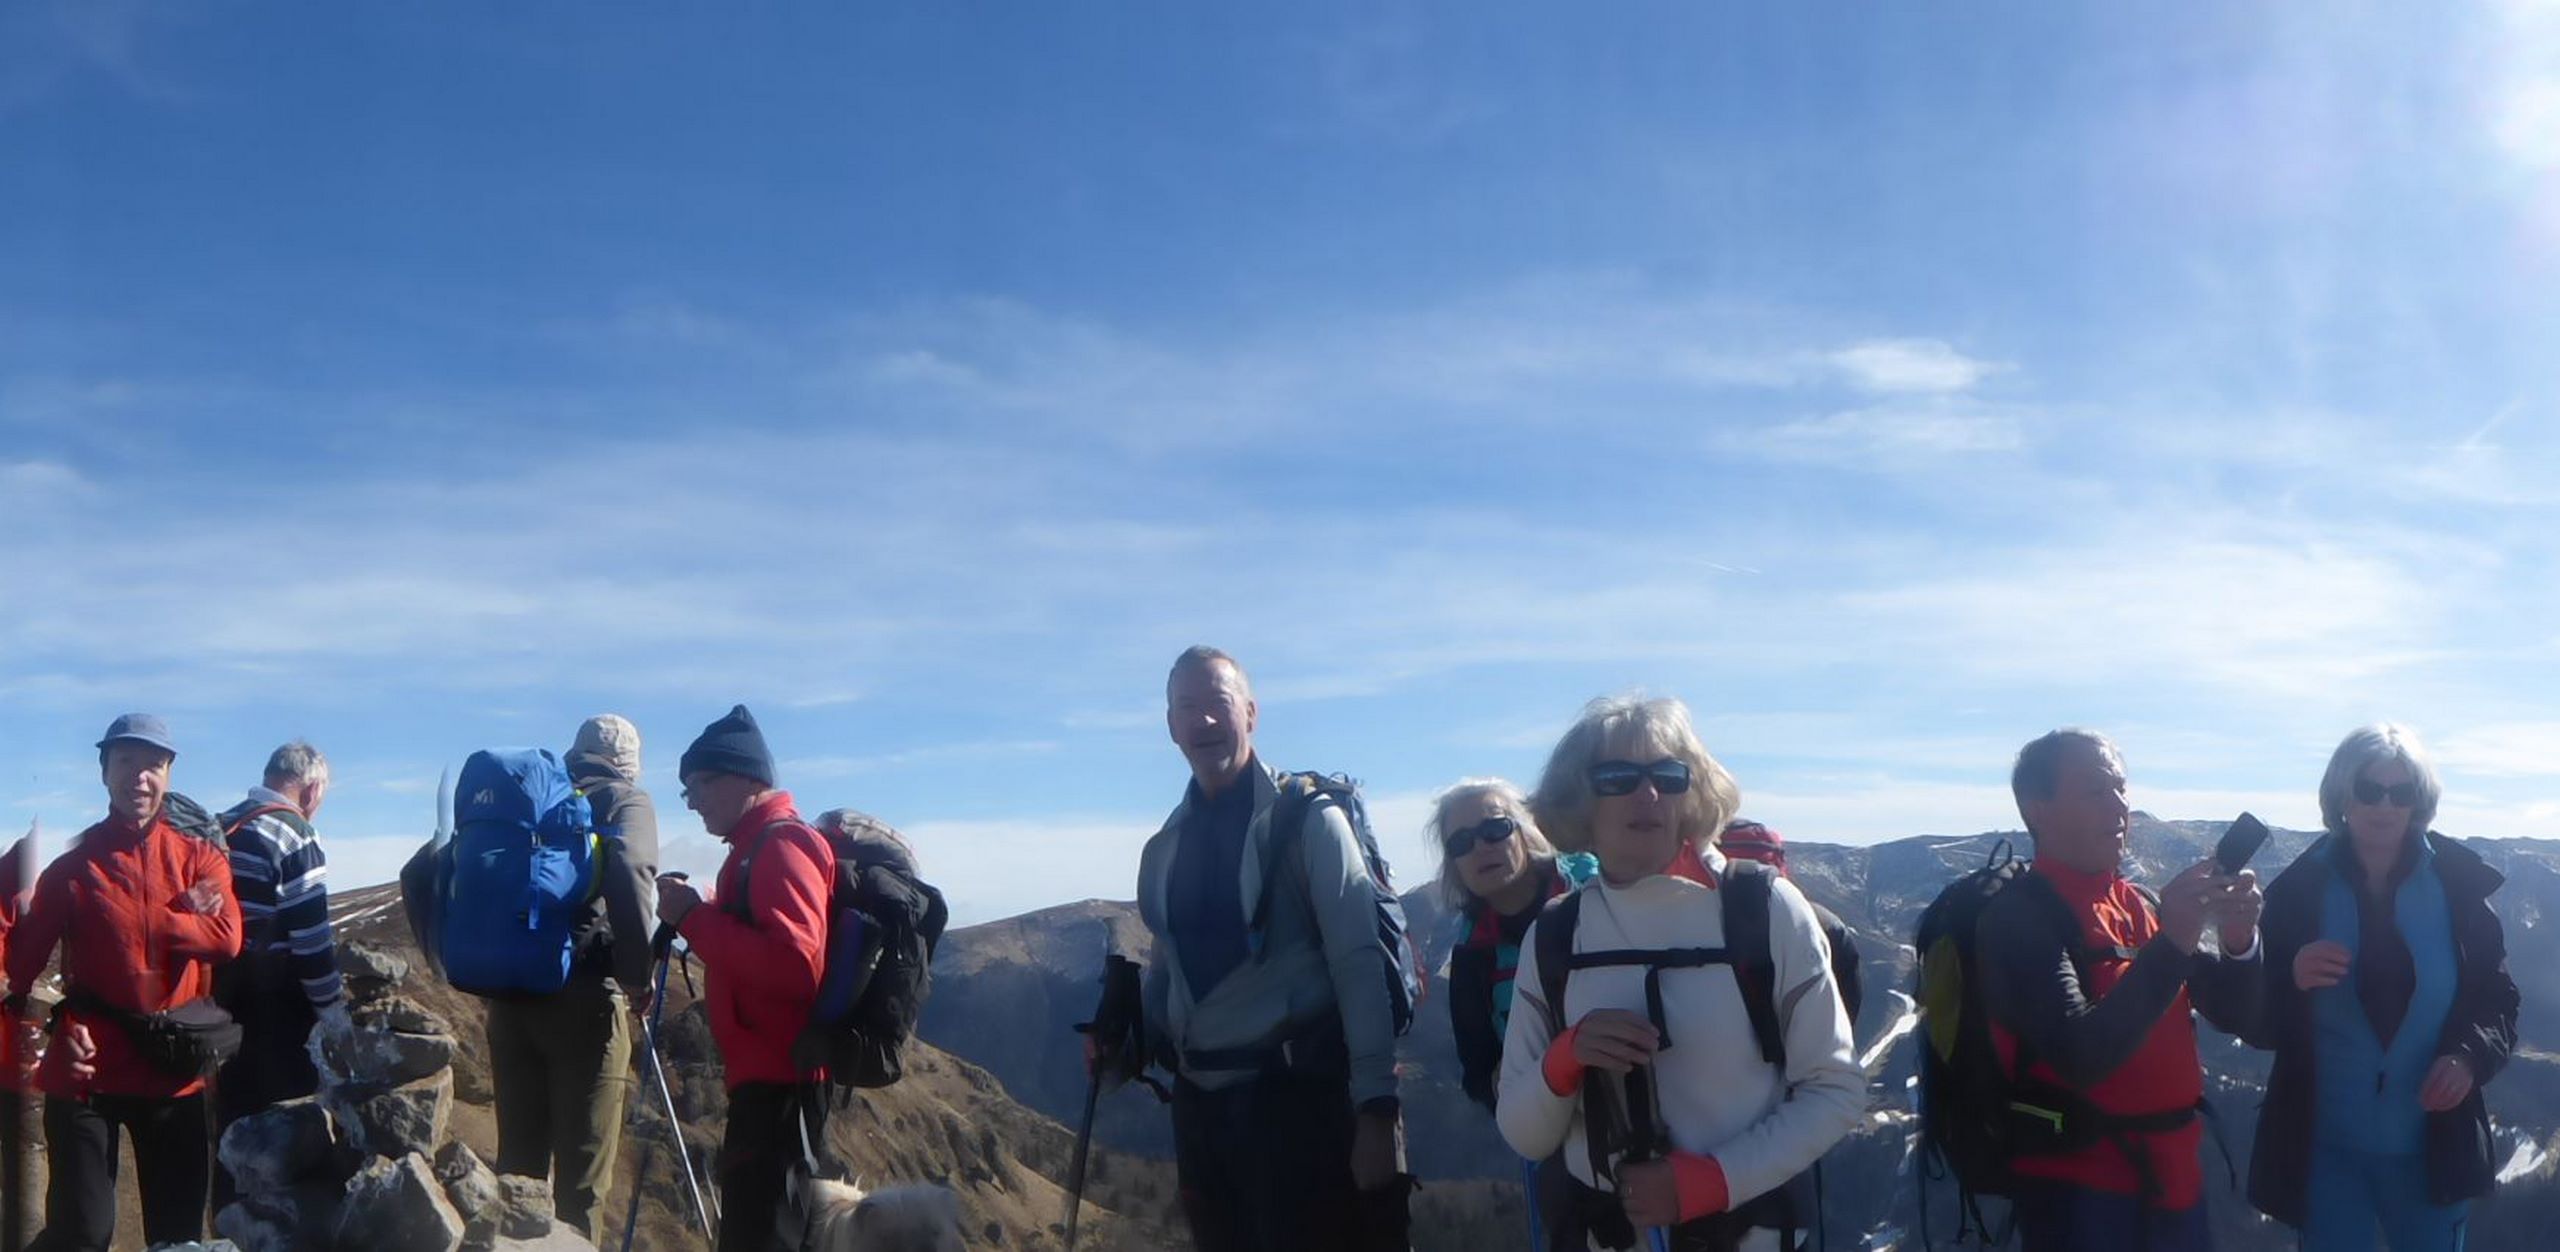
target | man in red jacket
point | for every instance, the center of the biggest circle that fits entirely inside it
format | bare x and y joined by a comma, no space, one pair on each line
142,912
2092,994
763,949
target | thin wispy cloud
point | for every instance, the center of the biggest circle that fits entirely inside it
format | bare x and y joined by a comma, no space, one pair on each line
1926,366
1448,382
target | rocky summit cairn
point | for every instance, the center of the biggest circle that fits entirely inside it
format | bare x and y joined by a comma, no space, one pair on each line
369,1163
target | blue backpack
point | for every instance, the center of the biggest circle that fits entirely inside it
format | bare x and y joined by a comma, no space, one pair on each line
1299,794
520,872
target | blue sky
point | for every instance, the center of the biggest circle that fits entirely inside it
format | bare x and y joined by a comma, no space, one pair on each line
1890,382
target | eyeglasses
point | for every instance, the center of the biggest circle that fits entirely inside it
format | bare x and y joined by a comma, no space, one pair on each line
1458,843
2403,795
1618,778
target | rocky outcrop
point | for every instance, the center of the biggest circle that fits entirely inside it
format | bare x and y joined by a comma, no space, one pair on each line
368,1164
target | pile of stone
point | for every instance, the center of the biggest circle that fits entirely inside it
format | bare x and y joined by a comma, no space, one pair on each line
368,1163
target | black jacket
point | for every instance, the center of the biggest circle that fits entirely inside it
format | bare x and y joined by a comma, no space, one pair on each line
2480,1028
1471,990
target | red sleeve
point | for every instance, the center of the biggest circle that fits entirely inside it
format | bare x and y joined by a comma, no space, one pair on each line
1562,1069
1699,1182
784,954
213,936
38,930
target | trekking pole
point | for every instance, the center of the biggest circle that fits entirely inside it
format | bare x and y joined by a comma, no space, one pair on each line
1112,1031
1537,1219
658,1071
1645,1136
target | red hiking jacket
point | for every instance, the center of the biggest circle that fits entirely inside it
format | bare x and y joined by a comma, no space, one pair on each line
2160,1072
15,867
762,972
116,904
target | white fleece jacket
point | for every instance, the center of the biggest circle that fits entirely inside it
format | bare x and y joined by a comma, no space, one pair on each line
1718,1097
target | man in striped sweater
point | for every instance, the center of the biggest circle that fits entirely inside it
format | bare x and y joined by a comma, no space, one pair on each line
286,979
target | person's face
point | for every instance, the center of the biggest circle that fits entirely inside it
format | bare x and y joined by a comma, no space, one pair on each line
137,778
2083,824
1484,869
1638,832
719,799
1210,717
2381,821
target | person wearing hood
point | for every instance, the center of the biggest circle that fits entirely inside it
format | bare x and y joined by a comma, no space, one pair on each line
762,941
286,981
560,1064
142,911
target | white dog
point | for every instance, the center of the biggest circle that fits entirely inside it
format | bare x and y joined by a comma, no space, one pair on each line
819,1215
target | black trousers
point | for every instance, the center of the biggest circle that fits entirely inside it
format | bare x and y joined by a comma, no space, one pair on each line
1265,1166
272,1066
758,1149
172,1162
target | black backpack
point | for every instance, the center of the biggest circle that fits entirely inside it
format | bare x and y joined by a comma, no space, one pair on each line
1976,1119
1299,794
883,923
1791,1206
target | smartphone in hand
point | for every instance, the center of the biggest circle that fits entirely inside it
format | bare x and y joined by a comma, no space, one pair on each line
2240,843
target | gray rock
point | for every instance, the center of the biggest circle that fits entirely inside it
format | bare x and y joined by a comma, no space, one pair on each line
272,1150
363,963
467,1180
394,1121
561,1239
396,1206
402,1014
524,1206
403,1057
298,1220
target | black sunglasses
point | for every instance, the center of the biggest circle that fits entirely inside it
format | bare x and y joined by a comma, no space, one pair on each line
1458,843
2403,795
1619,778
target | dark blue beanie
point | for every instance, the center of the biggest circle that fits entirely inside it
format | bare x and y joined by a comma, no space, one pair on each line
731,745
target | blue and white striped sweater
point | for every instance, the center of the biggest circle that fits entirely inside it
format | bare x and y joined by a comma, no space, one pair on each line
281,876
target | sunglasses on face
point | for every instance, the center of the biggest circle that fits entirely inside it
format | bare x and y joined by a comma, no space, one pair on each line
2402,795
1458,843
1619,778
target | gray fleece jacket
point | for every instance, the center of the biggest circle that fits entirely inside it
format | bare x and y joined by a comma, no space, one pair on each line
612,939
1319,955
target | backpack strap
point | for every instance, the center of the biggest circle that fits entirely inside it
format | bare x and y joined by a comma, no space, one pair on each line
1299,795
1747,950
292,815
1555,927
1746,941
747,865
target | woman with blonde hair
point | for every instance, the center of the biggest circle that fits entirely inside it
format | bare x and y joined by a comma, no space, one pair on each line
1496,872
1649,1026
2388,1006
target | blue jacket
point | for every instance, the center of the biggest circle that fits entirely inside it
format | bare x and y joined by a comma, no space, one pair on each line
2480,1028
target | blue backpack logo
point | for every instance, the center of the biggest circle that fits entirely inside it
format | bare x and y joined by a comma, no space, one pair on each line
519,873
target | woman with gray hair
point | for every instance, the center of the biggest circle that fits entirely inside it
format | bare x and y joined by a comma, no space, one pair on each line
1496,872
2388,1005
1728,1094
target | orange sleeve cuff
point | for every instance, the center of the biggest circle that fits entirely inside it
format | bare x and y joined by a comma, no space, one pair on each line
1699,1182
1563,1072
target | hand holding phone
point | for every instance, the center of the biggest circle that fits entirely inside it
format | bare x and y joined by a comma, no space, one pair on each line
2240,843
